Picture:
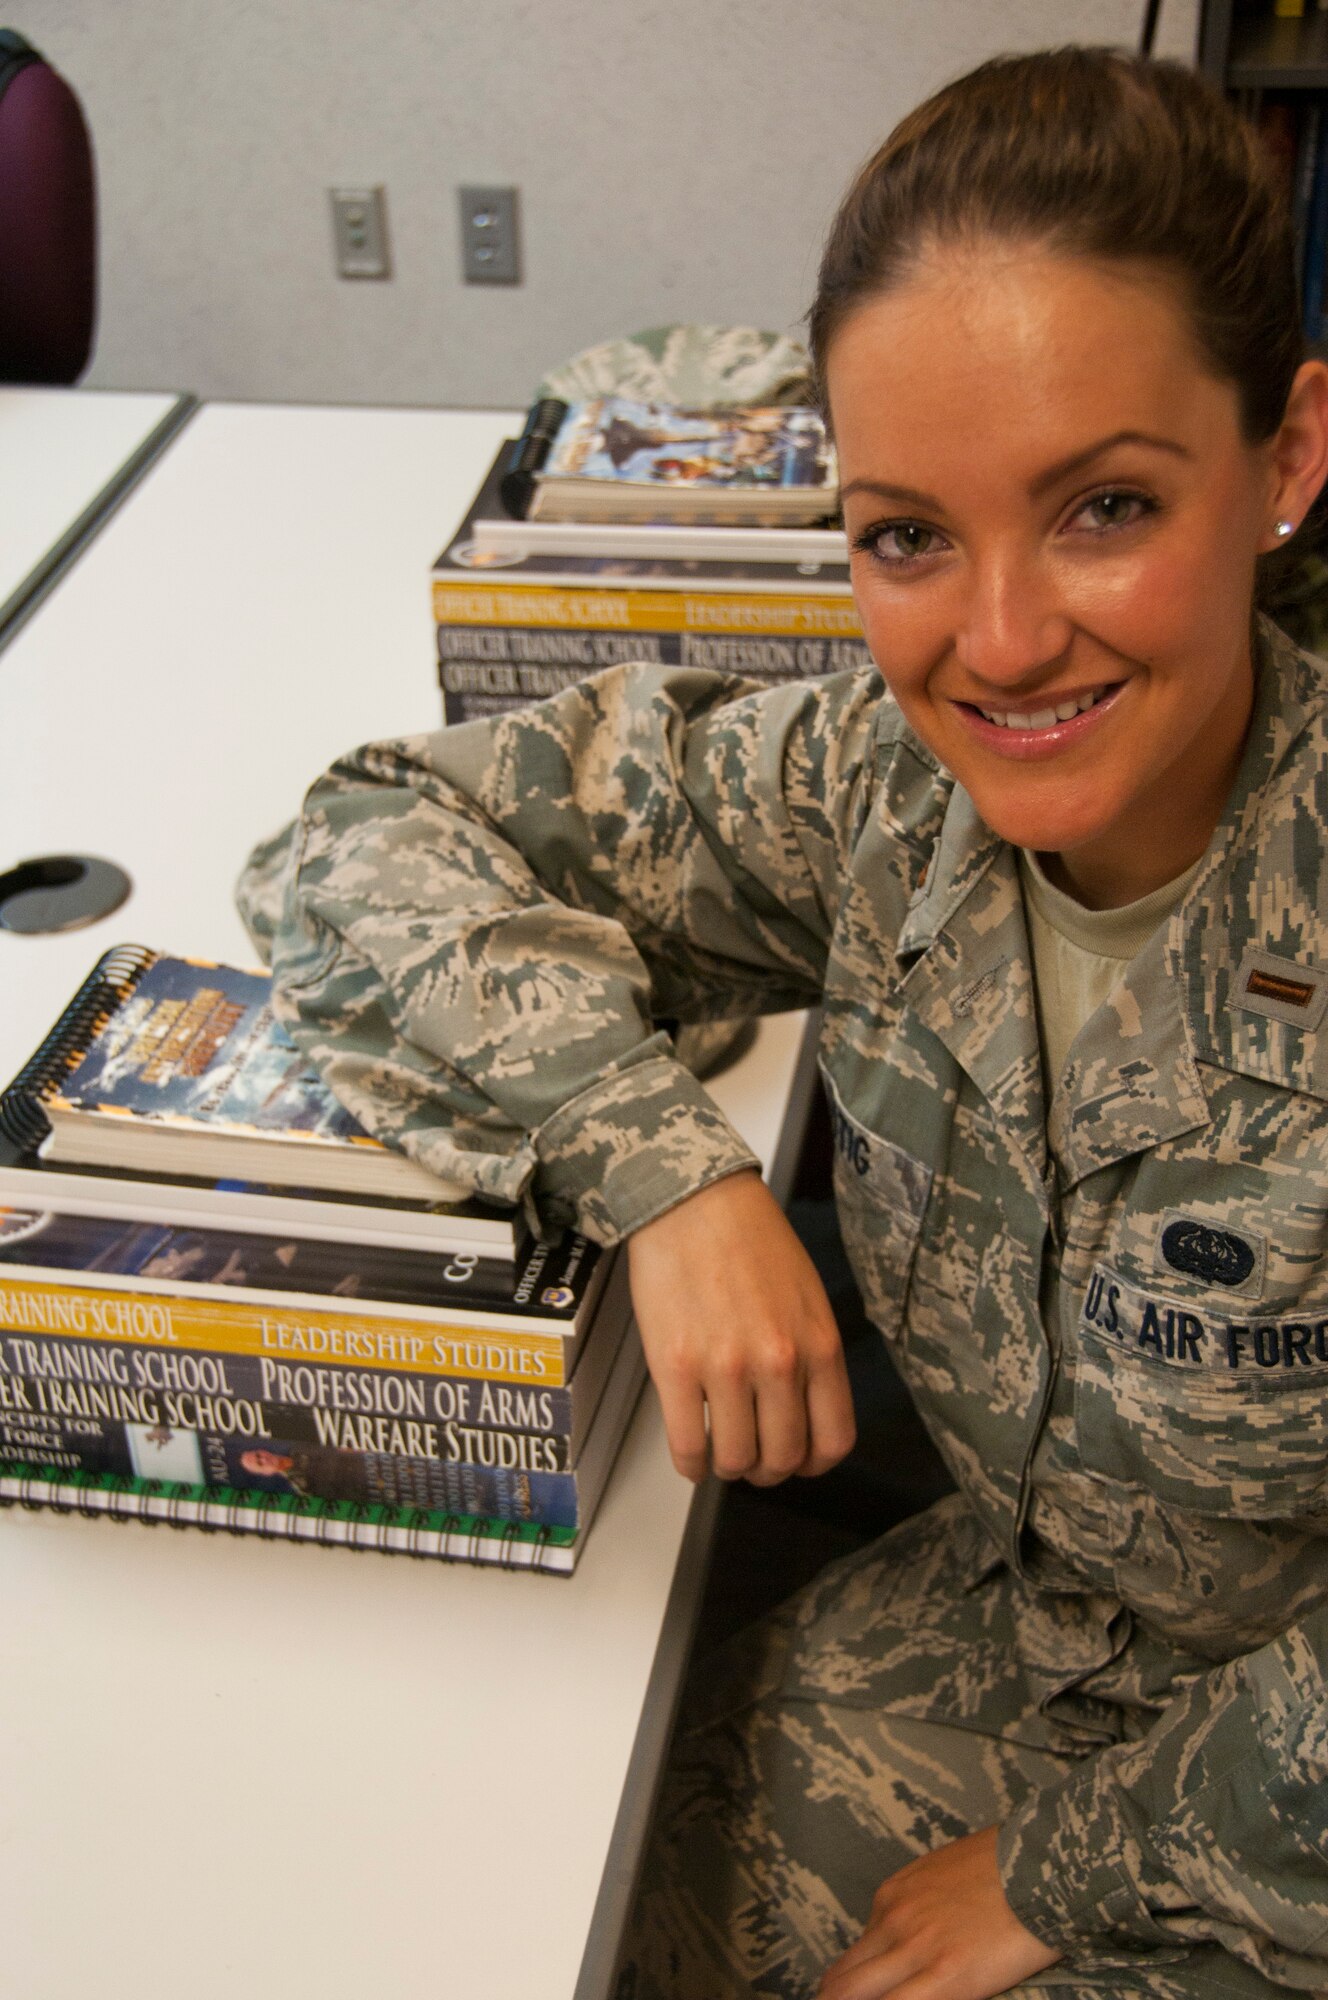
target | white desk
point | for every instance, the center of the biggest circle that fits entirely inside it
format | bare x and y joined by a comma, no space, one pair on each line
228,1762
66,457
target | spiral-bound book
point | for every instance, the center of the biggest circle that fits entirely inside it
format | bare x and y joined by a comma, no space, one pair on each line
408,1531
167,1087
139,1466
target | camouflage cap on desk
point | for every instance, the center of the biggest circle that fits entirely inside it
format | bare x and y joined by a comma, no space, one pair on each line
690,365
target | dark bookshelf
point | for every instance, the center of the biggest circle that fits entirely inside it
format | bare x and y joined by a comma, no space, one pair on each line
1276,73
1279,55
1247,48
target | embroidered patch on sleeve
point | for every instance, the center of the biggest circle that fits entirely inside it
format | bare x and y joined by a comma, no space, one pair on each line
1281,989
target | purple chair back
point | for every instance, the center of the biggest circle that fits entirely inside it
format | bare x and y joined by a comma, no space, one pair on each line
48,222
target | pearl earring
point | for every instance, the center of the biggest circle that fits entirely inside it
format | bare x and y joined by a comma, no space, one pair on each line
1283,528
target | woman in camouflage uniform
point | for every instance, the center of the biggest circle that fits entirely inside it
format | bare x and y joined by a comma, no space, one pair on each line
1061,890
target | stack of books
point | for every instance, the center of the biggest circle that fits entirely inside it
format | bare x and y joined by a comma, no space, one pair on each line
223,1304
614,530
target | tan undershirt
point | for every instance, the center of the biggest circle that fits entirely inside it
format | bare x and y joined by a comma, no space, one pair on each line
1079,955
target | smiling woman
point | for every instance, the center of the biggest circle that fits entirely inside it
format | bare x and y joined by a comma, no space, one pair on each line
1058,875
1091,330
1088,544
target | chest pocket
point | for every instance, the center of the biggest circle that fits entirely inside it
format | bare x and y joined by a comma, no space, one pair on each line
881,1195
1219,1416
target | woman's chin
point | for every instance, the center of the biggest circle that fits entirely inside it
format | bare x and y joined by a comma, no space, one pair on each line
1040,827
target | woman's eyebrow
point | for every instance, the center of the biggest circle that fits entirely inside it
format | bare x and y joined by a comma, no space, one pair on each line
908,496
1064,468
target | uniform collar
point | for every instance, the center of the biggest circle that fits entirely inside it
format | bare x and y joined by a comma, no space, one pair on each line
967,973
964,851
1249,945
965,966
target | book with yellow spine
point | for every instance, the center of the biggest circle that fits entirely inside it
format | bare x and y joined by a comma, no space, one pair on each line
273,1487
512,1346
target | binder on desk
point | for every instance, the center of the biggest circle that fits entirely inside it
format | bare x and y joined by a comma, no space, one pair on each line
119,1105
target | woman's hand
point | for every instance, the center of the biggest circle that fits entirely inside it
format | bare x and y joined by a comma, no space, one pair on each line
735,1320
940,1929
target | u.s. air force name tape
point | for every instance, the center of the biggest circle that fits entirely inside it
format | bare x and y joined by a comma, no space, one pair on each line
1174,1332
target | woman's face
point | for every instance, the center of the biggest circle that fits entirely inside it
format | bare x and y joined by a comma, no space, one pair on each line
1054,520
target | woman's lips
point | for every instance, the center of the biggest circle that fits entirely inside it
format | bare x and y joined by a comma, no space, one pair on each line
1011,738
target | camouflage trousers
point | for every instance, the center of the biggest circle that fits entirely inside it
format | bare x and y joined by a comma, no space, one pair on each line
817,1753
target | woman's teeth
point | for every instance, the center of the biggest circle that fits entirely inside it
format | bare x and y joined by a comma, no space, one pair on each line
1042,718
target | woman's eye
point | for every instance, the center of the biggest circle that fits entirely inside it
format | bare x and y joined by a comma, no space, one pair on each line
1112,509
901,542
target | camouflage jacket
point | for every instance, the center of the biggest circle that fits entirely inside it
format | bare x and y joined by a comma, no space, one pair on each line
1112,1310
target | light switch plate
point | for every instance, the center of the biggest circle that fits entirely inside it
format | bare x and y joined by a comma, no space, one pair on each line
359,231
490,252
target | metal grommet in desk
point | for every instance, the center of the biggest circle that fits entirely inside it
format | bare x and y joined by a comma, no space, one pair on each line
60,892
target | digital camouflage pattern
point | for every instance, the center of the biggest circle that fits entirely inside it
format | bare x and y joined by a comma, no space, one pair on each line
1112,1311
695,365
787,1757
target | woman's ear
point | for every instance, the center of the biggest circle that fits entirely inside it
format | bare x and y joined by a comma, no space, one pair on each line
1298,454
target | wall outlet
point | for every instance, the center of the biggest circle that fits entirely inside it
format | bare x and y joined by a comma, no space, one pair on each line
490,253
359,232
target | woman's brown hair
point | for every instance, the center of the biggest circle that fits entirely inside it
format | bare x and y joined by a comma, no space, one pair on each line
1096,154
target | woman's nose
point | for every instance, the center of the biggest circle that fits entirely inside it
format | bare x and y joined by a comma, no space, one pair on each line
1014,626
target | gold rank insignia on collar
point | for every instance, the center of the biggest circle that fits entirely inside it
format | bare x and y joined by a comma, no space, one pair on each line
1281,989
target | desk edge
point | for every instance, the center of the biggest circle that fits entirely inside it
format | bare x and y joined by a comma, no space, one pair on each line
645,1770
43,577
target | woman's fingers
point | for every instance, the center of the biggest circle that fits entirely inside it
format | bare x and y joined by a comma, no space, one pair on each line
940,1929
740,1338
734,1447
684,1411
830,1408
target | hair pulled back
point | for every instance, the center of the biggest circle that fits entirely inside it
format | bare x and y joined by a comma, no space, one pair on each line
1092,153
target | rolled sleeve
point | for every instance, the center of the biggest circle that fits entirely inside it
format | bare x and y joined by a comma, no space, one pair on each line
635,1144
